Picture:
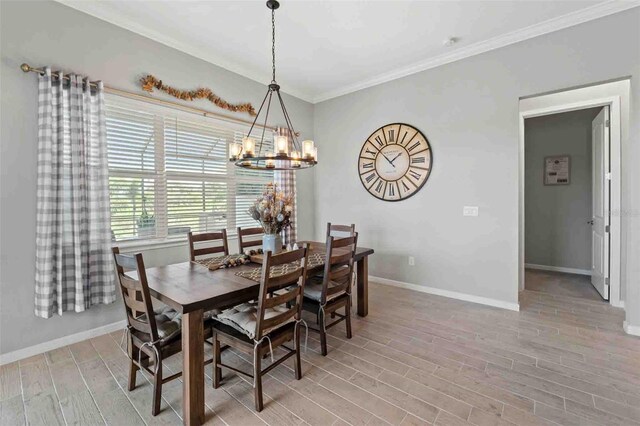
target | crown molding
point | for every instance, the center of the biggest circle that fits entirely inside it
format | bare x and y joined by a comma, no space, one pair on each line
599,10
95,9
561,22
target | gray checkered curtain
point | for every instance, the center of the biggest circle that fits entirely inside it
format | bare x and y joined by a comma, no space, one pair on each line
73,262
286,181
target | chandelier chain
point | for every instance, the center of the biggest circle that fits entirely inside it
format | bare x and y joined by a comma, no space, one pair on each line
273,44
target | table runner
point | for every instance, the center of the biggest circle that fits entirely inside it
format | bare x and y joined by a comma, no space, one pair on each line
315,259
219,262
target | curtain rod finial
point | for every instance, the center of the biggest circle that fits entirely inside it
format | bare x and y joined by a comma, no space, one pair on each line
25,67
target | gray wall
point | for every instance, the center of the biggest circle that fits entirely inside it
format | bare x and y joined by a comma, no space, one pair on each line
469,111
556,216
48,33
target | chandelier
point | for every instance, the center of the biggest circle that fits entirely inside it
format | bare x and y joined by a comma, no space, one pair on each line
287,152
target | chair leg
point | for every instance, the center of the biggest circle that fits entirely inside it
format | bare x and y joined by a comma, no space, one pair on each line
257,377
133,368
217,371
298,364
323,332
347,313
157,387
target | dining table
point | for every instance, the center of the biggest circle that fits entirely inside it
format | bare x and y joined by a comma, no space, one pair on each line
192,289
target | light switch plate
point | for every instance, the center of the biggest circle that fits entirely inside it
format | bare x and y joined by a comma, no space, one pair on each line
470,211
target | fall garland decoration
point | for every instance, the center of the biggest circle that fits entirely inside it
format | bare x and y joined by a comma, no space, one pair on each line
150,82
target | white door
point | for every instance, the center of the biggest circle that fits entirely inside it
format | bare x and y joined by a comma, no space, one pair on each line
600,203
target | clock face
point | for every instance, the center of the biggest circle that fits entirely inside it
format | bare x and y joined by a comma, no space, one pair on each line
395,162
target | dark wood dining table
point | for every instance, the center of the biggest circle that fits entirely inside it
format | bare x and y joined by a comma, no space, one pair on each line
193,289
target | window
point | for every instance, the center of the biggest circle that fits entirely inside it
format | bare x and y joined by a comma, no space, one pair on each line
169,172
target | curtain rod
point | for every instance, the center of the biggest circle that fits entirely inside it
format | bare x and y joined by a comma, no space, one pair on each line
28,68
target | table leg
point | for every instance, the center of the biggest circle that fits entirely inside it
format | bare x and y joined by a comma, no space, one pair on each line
193,368
362,267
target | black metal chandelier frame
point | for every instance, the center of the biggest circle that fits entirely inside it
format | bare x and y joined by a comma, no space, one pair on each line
291,158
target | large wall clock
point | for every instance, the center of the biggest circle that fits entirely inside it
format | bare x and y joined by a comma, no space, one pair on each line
395,162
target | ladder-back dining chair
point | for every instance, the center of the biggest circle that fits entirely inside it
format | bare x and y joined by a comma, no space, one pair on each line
340,230
243,243
331,291
152,335
201,244
257,328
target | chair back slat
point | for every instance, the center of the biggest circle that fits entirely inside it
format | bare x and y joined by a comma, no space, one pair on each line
340,258
338,267
293,283
281,299
269,323
283,280
208,237
135,294
340,230
248,232
339,274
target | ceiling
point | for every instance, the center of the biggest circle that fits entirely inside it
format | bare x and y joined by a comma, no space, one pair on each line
326,49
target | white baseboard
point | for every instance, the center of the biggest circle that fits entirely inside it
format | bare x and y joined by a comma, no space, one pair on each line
634,330
618,304
558,269
58,343
447,293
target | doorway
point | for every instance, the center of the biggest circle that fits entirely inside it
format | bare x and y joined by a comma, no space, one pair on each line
566,193
615,96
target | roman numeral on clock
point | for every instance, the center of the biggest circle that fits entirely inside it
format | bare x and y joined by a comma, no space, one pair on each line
379,141
415,174
368,151
392,137
370,177
368,165
379,186
392,191
405,186
418,160
414,146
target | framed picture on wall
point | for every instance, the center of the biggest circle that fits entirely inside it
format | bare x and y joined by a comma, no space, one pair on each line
557,170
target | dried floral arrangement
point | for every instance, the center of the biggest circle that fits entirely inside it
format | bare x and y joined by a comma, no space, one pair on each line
272,210
149,82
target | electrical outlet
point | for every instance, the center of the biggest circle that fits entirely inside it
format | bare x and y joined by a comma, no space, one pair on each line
412,261
470,211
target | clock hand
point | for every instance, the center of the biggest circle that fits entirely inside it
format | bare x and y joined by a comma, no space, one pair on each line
387,158
394,159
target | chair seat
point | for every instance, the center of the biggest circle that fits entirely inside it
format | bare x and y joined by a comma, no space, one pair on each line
313,289
243,317
168,322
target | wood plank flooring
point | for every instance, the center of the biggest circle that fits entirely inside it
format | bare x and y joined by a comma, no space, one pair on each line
416,359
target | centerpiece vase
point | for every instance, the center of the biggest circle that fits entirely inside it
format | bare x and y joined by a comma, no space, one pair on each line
272,243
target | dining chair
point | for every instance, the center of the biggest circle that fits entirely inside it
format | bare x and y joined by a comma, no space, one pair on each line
340,230
204,240
248,232
327,293
257,328
152,335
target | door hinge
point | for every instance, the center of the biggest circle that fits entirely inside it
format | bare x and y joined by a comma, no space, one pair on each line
606,281
607,123
606,229
607,176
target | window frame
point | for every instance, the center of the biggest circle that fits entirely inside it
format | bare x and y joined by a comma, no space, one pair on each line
160,176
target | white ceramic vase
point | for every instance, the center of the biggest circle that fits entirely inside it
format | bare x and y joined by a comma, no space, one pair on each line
272,243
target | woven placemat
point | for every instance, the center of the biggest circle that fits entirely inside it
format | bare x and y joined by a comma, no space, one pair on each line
221,262
315,259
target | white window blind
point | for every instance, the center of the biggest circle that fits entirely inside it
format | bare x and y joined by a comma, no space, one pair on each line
169,173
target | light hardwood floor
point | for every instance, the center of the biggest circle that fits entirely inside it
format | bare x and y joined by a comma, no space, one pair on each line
416,359
561,284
